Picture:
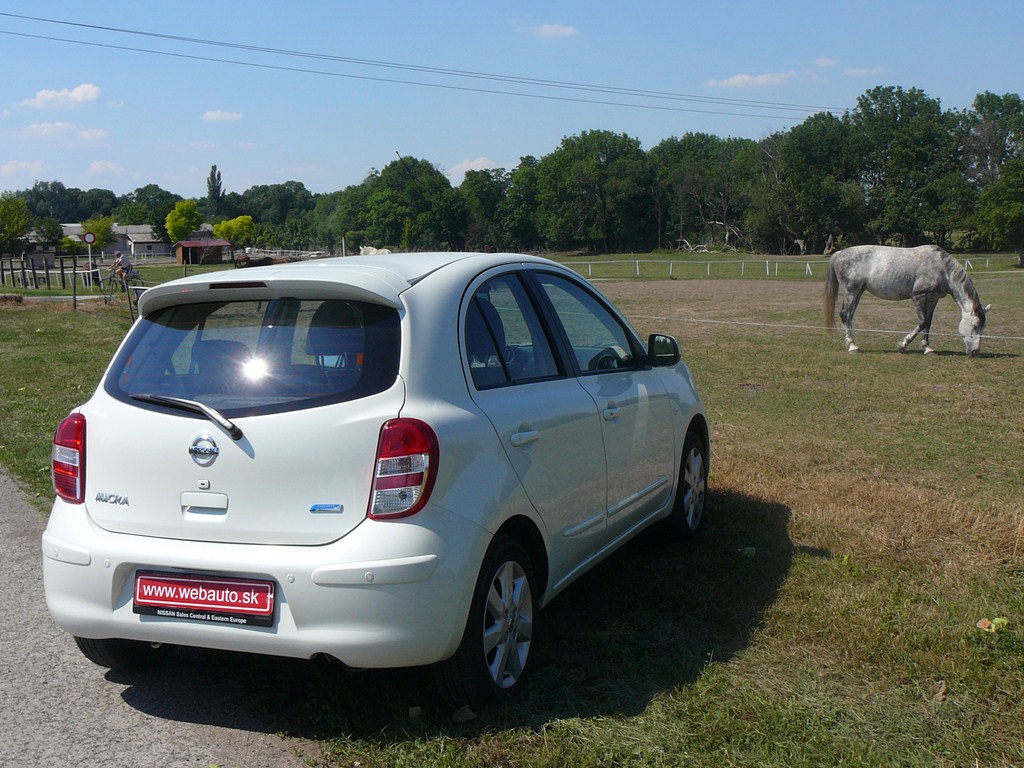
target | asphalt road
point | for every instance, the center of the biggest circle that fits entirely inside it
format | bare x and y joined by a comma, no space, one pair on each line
59,709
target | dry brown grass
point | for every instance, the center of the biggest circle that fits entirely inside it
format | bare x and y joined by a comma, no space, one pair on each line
798,421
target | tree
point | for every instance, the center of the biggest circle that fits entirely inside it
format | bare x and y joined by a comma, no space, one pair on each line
905,147
96,203
517,212
483,193
275,203
239,231
1001,209
15,223
387,216
183,220
706,182
51,199
148,205
594,192
422,194
340,217
49,232
103,228
996,135
214,193
819,182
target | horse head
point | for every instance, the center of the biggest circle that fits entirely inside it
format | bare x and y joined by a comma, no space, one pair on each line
972,326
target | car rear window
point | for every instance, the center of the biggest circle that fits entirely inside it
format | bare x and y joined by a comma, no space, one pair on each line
252,357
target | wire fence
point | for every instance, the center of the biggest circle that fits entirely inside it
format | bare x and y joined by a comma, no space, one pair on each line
731,268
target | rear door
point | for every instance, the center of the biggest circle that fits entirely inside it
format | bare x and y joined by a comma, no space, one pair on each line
307,382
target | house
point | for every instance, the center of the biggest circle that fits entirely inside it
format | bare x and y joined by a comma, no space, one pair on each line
141,242
200,251
137,240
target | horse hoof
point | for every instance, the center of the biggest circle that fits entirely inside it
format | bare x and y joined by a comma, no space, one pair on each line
928,350
853,348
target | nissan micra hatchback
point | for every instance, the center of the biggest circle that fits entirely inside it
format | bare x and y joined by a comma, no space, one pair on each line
391,461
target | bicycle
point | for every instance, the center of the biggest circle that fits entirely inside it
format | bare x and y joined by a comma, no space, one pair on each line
117,285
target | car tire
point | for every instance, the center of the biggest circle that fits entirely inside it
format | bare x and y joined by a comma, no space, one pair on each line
687,516
493,659
123,655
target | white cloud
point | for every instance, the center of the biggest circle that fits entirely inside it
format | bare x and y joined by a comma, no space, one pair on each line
200,145
19,167
220,116
61,130
47,130
458,173
555,30
822,62
751,81
863,71
80,94
105,168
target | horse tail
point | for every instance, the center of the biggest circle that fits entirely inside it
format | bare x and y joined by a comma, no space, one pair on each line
831,291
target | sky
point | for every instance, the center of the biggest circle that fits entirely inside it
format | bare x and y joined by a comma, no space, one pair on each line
117,95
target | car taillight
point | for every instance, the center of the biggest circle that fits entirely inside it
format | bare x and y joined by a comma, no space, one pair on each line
404,470
68,459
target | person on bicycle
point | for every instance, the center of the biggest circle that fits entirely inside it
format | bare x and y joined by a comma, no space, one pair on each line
122,266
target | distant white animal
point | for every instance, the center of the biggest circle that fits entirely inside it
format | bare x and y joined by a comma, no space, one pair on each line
369,250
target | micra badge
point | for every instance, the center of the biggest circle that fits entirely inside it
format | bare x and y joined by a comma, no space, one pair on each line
112,498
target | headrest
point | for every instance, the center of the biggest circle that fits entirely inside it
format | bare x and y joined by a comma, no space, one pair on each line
336,329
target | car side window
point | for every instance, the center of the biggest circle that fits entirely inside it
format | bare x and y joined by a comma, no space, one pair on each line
505,339
598,339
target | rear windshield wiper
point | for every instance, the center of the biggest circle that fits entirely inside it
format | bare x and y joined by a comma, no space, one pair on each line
212,414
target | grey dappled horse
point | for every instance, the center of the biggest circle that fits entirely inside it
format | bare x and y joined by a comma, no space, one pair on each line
924,274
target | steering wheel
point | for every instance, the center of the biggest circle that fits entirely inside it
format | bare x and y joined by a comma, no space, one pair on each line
605,360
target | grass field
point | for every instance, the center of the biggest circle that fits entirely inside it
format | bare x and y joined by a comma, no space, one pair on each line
866,513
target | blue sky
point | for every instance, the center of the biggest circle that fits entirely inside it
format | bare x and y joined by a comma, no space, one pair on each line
143,105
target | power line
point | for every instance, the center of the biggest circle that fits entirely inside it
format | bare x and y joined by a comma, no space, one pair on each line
444,72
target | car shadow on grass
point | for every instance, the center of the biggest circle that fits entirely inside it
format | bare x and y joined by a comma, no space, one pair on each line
647,620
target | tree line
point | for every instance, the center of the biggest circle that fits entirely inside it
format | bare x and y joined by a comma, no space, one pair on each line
895,169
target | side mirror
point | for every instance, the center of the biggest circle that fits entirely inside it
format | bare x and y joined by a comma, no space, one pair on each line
662,350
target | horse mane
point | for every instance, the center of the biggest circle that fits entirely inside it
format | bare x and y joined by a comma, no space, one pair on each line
959,277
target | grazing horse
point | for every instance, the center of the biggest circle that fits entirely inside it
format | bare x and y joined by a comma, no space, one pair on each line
924,274
244,260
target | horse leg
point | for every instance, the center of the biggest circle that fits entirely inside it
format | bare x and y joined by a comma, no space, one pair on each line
929,312
850,301
924,303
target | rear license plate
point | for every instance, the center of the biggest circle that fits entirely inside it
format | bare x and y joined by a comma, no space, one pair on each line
245,602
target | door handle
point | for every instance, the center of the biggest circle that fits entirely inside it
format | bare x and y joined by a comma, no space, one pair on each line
519,439
610,413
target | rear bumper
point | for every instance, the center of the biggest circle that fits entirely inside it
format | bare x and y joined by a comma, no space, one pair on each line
389,594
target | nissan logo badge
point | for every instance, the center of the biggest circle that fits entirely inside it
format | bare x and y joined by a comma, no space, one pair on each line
204,450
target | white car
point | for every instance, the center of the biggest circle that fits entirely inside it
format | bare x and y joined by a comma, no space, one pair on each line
390,460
